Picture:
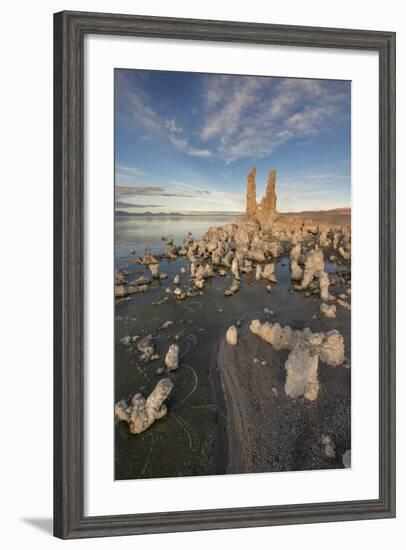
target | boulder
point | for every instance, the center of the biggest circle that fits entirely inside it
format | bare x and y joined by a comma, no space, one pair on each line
332,349
232,336
235,286
301,371
142,413
154,268
328,311
313,265
172,357
268,272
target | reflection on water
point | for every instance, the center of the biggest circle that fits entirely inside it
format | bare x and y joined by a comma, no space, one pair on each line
140,232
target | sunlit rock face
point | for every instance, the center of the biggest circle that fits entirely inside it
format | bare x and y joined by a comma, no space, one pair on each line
264,212
267,206
252,207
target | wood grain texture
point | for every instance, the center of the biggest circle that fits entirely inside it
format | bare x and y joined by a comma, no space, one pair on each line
69,31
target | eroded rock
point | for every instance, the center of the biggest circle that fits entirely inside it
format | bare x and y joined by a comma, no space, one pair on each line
332,349
232,336
142,413
301,371
313,265
172,357
328,310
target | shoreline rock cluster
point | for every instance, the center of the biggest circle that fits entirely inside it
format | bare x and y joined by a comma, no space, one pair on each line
306,348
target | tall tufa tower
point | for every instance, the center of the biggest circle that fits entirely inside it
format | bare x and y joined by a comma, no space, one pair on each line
251,210
264,212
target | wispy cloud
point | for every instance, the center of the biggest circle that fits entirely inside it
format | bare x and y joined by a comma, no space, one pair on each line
143,113
123,169
240,116
147,190
122,204
254,115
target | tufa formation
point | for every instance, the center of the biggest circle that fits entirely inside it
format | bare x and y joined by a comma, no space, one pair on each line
264,212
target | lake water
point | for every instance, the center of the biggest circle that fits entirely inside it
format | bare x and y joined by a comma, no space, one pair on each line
140,232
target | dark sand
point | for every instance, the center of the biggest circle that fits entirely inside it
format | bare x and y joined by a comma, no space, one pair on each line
268,431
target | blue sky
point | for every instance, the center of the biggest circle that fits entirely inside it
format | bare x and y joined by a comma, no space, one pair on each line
185,142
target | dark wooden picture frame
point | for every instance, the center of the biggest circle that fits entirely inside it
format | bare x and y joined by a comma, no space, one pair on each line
69,31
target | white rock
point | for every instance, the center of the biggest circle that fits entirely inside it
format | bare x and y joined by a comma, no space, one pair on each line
343,303
301,370
142,413
332,349
154,268
232,336
328,311
329,450
324,284
296,252
235,268
347,458
314,264
172,357
296,272
268,271
199,283
208,271
258,272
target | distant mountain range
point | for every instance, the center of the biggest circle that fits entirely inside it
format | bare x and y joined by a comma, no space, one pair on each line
124,214
213,213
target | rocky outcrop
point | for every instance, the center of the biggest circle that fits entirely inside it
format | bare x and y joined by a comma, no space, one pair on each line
251,210
332,350
301,370
142,413
267,206
331,343
264,212
314,264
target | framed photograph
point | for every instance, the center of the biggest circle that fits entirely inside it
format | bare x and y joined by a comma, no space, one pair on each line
224,274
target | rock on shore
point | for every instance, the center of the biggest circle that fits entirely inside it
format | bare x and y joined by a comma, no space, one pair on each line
142,413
